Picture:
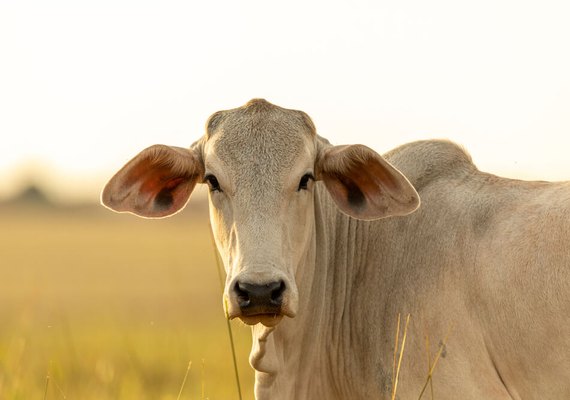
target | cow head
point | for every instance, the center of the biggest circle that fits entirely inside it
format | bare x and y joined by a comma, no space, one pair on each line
261,163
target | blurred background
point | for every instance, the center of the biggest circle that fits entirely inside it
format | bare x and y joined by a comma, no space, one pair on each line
115,307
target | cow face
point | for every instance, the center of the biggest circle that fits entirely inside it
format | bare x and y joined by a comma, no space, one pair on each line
260,163
260,167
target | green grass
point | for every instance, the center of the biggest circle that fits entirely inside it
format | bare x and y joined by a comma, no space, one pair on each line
113,307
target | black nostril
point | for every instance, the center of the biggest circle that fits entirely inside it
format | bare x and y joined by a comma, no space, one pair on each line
242,294
277,293
266,297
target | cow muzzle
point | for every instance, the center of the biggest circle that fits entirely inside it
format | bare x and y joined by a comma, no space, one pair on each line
266,302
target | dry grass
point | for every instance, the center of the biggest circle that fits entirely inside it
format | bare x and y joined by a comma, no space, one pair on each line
399,350
95,305
398,353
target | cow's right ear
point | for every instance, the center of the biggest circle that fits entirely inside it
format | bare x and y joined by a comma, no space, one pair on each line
156,183
363,184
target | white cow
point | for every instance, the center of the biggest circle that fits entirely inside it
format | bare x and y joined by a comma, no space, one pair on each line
321,275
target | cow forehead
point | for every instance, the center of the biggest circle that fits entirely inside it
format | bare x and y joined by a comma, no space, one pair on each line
260,137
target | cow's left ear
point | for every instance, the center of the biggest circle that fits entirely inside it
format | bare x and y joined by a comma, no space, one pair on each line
363,184
156,183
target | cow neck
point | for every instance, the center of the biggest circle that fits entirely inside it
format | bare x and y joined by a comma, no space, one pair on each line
343,259
303,348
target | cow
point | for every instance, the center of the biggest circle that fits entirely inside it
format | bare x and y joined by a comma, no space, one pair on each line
326,246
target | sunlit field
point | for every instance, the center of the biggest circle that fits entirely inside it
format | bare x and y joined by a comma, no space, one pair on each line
110,306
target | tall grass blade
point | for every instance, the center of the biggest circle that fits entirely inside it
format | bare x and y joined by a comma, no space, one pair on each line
397,342
233,348
441,347
59,389
47,386
49,379
230,334
184,380
203,377
428,352
395,387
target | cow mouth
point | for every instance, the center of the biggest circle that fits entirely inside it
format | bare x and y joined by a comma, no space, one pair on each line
268,320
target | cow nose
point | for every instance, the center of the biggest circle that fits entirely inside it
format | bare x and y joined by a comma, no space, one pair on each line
260,299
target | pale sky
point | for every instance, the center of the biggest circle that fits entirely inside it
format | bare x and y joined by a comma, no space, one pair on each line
85,85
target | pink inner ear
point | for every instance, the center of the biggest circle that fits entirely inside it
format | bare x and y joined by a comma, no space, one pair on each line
169,196
153,180
156,183
364,185
381,176
160,191
371,183
347,188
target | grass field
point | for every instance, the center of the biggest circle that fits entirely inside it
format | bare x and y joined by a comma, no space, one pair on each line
113,307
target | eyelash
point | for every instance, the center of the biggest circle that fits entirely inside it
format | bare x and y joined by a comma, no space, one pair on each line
213,183
303,184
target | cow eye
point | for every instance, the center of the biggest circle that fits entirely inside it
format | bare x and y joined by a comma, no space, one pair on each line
303,184
213,183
